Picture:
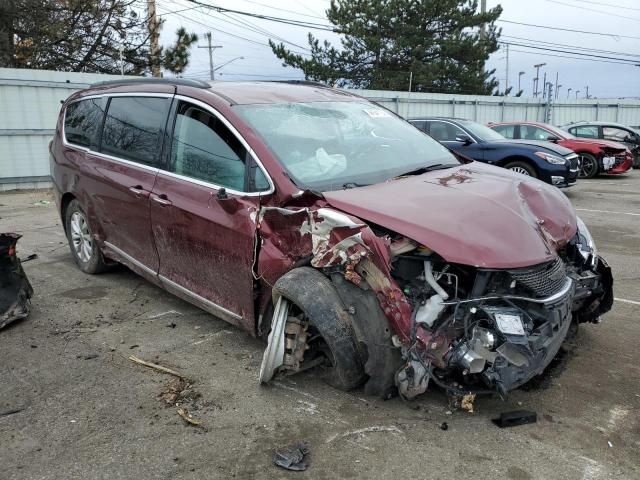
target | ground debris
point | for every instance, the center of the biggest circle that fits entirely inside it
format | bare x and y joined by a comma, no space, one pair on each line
174,391
155,366
186,416
515,418
293,457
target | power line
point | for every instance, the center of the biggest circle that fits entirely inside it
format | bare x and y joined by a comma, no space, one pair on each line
573,58
622,60
594,10
607,5
595,50
613,35
285,10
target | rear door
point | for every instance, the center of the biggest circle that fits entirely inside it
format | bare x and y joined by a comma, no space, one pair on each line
203,209
124,170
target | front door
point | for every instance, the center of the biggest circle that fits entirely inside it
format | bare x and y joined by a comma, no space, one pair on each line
449,135
203,215
123,170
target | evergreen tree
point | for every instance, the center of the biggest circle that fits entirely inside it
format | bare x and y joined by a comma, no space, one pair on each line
97,36
442,42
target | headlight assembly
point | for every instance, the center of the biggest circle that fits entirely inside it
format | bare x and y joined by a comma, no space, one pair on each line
585,243
554,159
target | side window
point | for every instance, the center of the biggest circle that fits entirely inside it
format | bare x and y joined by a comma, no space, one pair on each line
82,120
507,131
133,128
616,134
205,149
585,132
531,132
444,132
419,124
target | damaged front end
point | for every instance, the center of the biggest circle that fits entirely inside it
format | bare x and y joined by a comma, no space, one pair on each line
15,289
417,318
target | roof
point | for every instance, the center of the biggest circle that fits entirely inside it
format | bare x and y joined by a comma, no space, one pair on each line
595,122
244,93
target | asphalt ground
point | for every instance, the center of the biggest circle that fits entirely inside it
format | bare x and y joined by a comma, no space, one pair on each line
83,410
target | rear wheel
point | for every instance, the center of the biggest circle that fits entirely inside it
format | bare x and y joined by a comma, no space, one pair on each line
522,168
588,165
84,248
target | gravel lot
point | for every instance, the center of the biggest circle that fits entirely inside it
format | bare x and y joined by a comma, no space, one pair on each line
87,412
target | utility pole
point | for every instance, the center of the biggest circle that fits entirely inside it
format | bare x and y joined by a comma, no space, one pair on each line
410,79
549,106
544,86
556,95
587,87
506,78
211,48
483,9
558,90
535,80
154,34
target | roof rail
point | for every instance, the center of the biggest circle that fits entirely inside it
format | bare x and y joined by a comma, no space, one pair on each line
311,83
185,82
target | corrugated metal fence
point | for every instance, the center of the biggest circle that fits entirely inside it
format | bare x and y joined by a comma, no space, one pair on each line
30,102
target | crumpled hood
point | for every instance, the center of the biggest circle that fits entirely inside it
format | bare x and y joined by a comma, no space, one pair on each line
474,214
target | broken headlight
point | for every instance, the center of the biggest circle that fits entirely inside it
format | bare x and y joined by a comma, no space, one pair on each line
585,243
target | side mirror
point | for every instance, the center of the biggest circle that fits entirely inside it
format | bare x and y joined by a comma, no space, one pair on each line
553,138
463,138
222,194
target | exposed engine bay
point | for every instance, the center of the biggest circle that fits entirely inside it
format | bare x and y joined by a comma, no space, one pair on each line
493,330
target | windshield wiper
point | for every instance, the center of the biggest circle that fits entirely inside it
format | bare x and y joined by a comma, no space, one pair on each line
428,168
353,185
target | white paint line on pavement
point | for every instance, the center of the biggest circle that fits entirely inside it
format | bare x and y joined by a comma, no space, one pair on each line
624,300
607,211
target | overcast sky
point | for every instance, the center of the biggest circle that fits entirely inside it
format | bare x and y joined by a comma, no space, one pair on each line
239,37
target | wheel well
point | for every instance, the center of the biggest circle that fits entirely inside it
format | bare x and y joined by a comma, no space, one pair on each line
64,203
516,158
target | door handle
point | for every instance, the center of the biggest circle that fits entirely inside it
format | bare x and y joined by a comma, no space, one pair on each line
162,200
139,192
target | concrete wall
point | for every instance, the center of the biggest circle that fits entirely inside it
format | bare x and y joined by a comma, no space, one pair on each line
30,102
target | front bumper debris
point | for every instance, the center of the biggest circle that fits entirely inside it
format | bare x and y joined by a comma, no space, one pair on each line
15,289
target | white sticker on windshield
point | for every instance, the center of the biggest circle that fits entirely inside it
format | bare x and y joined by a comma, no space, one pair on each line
376,113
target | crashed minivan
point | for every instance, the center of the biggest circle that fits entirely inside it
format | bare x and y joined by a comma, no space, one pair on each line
353,243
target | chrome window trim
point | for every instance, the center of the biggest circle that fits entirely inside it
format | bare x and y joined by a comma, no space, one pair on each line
212,307
198,103
129,258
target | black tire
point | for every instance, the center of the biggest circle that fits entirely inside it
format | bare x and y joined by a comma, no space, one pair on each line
90,260
589,167
314,294
521,167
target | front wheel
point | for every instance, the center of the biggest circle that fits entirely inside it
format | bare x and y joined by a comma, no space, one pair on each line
306,299
588,165
84,248
522,168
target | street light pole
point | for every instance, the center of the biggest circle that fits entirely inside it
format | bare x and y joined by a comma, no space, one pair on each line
587,94
535,88
569,92
577,92
519,77
558,90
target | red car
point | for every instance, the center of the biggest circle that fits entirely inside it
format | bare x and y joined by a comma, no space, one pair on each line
353,243
596,156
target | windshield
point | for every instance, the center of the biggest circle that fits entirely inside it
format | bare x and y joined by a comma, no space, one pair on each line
483,132
332,145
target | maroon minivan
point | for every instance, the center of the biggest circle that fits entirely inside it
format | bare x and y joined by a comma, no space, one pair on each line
353,243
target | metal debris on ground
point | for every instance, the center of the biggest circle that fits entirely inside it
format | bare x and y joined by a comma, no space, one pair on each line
515,418
293,457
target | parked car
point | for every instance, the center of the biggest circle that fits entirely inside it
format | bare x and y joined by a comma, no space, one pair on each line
609,131
596,156
352,242
550,163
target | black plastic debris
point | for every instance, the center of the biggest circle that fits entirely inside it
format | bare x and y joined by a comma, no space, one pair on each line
15,289
515,418
293,457
444,426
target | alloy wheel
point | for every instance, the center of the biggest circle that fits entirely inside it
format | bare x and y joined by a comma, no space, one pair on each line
587,166
521,170
81,237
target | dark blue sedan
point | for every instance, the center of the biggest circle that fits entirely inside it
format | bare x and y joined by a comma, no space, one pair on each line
549,162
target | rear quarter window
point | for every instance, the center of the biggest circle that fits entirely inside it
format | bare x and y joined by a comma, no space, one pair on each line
133,128
507,131
82,121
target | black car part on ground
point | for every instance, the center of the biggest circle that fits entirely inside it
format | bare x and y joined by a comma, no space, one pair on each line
15,289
